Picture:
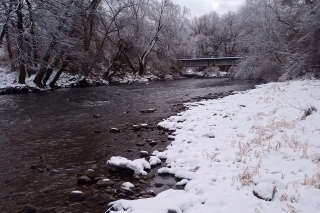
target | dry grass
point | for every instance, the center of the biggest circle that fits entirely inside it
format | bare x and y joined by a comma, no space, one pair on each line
314,180
315,158
210,155
245,177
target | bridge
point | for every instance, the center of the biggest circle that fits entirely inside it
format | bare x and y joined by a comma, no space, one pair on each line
208,62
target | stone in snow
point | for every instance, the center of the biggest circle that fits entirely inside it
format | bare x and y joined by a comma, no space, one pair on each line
264,191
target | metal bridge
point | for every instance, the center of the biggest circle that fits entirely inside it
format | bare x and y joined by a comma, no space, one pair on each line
207,62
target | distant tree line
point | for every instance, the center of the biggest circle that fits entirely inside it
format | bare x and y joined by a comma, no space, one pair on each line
278,39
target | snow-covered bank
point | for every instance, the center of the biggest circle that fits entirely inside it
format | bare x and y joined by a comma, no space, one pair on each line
266,139
9,81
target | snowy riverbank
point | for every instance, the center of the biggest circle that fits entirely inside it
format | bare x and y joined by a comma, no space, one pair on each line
265,139
9,81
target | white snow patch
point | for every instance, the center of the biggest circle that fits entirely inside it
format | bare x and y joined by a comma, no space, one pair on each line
137,165
127,185
154,160
76,192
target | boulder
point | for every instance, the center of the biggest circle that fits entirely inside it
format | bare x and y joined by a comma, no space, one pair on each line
264,191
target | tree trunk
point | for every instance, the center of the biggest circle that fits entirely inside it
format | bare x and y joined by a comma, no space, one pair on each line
50,68
22,71
42,70
56,77
142,68
3,32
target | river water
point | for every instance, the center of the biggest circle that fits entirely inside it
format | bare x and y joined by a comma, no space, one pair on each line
57,130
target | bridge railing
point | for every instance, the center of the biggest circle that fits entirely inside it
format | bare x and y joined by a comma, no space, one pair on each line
207,56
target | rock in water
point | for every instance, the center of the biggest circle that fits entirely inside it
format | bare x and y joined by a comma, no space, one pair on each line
264,191
114,130
29,209
90,173
83,179
76,196
104,183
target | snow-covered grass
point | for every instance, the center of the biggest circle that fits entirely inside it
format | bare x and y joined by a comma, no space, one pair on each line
223,148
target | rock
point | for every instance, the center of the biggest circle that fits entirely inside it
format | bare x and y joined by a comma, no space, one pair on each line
153,143
29,209
114,130
54,172
140,144
171,211
83,179
158,185
143,193
144,154
96,179
147,196
146,126
109,190
83,83
143,182
136,127
151,110
76,196
97,116
104,183
264,191
90,173
150,175
49,168
121,196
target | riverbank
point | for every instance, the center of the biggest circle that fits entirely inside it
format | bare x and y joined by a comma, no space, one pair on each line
255,151
9,83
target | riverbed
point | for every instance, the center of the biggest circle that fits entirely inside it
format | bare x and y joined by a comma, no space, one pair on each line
68,131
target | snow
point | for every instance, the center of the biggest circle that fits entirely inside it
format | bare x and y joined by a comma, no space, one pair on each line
264,190
224,148
127,185
154,160
137,165
76,192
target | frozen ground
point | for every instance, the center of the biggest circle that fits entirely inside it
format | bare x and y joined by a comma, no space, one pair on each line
266,139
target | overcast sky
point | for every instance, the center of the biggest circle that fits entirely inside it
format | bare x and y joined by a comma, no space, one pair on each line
200,7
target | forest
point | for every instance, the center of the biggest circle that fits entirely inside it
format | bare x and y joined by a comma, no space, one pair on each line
278,39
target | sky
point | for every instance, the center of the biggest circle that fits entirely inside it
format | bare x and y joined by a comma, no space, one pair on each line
201,7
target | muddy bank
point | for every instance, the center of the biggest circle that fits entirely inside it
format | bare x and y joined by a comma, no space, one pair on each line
48,140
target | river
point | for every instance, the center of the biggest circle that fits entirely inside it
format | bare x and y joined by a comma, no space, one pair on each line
57,130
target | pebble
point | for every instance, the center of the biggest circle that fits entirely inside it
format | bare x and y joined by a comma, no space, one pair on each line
140,144
90,173
83,179
158,185
104,183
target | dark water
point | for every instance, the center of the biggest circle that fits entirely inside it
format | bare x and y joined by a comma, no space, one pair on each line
58,129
